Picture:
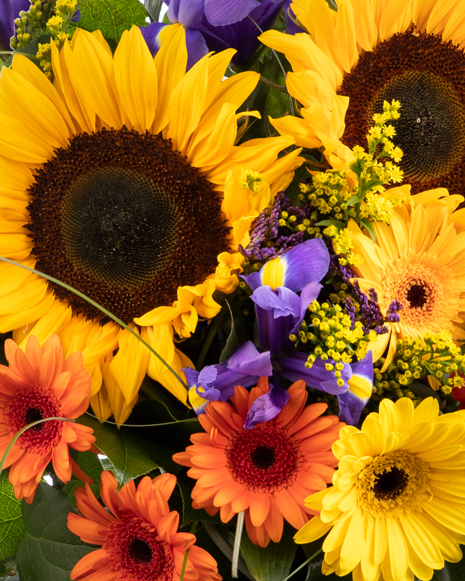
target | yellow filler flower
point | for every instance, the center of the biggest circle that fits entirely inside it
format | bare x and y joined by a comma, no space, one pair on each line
419,261
116,180
351,60
397,505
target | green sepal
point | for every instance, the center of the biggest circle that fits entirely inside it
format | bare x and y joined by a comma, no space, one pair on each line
49,551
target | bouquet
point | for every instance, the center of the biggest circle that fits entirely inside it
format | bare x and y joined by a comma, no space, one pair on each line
232,290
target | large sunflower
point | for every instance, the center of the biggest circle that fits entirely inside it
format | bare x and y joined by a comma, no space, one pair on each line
419,261
367,52
396,508
117,179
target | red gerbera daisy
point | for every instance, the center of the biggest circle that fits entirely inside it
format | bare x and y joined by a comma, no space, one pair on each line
138,534
38,384
266,471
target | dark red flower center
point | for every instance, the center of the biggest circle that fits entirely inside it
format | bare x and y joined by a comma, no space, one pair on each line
28,406
136,554
264,459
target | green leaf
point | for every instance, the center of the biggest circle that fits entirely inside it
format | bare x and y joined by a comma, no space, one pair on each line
90,465
49,550
153,8
30,49
332,4
131,455
112,17
336,223
272,563
369,226
189,514
447,575
12,529
351,201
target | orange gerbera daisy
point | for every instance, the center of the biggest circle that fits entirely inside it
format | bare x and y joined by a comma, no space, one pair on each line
138,534
267,470
40,384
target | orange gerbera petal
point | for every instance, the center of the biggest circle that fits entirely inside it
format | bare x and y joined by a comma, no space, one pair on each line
134,546
265,470
35,388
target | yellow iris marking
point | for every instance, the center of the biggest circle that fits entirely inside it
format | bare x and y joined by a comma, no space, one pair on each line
273,273
360,386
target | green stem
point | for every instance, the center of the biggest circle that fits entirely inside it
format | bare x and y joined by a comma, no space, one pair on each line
303,565
186,554
281,88
21,432
142,425
237,544
100,308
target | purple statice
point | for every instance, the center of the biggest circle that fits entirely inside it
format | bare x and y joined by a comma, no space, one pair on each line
370,313
350,310
267,238
392,315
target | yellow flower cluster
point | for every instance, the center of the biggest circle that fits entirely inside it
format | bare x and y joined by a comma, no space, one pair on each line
343,244
30,24
433,355
329,332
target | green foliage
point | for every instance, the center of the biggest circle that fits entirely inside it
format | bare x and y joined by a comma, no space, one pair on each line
49,550
153,8
111,17
90,465
12,529
130,454
272,563
30,49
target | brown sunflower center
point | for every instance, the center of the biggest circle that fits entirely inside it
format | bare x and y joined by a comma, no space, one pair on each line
263,459
31,405
392,484
427,76
126,220
135,553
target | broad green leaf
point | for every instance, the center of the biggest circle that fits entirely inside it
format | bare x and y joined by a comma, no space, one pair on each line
112,17
90,465
130,454
12,529
272,563
49,551
189,514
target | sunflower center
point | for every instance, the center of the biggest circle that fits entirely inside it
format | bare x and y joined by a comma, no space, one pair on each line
135,553
426,290
427,76
392,484
124,219
263,459
30,405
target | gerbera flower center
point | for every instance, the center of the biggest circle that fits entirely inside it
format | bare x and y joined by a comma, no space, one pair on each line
28,406
425,289
263,459
392,484
124,219
427,76
135,553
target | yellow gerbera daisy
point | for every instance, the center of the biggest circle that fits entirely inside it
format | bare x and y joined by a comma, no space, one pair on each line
397,505
374,50
418,260
117,179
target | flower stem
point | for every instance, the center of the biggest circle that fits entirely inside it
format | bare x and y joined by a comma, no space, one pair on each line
281,88
303,565
186,554
237,544
100,308
21,432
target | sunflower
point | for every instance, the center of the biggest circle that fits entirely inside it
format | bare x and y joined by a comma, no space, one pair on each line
115,180
39,384
138,534
367,52
265,471
396,507
419,261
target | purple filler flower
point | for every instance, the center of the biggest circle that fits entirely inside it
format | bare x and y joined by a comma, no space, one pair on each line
9,10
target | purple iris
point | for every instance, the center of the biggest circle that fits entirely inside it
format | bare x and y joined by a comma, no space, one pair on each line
280,312
218,25
9,11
